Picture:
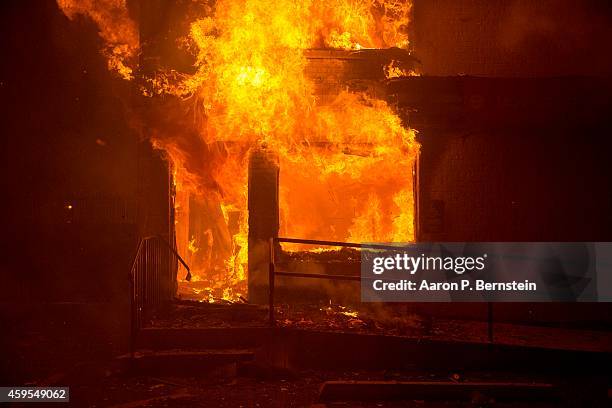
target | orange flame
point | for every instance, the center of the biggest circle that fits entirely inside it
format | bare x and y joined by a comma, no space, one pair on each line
346,166
394,70
116,28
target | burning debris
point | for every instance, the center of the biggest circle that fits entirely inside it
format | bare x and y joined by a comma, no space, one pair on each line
320,316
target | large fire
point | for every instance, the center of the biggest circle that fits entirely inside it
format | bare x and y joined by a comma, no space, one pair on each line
346,165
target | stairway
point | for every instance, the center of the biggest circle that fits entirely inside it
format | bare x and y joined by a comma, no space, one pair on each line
163,349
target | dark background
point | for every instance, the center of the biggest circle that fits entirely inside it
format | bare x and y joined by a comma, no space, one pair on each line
513,38
79,189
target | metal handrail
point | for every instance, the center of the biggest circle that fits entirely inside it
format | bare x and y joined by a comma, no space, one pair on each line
335,243
172,249
273,272
151,279
178,257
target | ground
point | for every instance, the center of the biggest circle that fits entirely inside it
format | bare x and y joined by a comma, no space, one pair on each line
57,350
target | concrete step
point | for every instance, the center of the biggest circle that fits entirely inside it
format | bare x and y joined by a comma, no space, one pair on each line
308,349
186,363
305,349
210,338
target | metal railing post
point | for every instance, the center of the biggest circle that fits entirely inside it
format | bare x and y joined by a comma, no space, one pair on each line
271,283
146,279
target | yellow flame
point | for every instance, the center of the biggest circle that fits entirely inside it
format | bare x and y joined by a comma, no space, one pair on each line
345,165
393,70
192,246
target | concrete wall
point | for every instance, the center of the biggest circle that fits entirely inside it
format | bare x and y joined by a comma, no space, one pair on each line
263,220
511,159
72,160
513,37
79,186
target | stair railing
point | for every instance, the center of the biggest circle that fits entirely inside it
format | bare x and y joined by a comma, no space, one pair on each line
152,280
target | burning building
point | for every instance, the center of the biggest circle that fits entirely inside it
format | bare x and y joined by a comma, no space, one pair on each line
186,139
300,82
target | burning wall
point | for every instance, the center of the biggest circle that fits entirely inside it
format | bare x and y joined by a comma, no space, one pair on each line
345,156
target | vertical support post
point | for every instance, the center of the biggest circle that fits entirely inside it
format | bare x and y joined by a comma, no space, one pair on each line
263,220
490,321
271,277
416,222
